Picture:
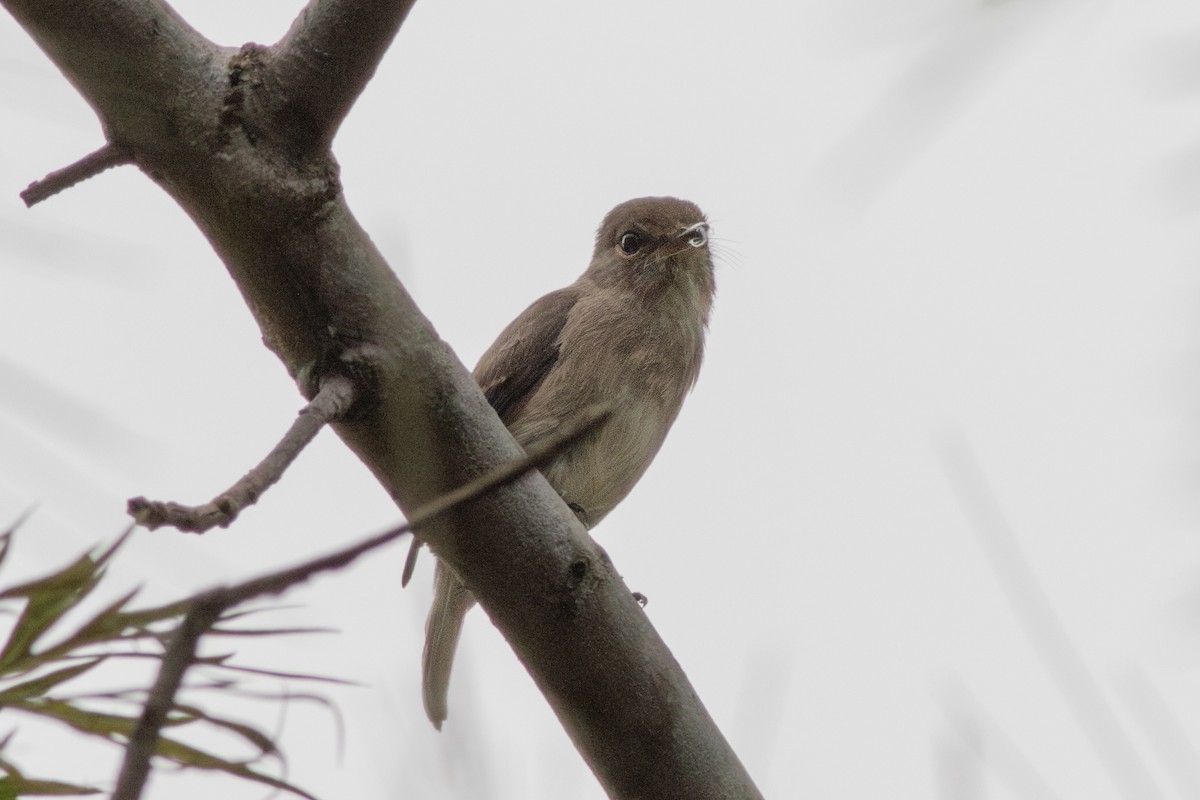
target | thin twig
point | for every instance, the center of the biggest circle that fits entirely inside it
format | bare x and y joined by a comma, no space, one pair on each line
206,608
536,456
982,734
110,155
176,660
334,399
540,453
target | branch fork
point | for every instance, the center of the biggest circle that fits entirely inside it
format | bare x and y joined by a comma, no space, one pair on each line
276,216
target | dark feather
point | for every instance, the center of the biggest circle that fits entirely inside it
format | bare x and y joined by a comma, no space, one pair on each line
525,352
514,365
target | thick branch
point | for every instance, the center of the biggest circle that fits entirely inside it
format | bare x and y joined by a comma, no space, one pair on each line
206,126
334,399
502,475
206,609
136,62
326,59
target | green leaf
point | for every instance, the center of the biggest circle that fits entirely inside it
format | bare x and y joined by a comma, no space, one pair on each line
71,576
231,614
113,727
107,555
6,536
12,787
267,631
298,676
14,784
39,687
187,756
113,624
47,600
142,619
32,668
104,626
256,738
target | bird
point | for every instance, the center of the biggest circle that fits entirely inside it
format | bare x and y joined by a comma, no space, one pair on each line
629,332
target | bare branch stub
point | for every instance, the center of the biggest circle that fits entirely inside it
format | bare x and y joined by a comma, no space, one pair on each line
332,402
501,475
110,155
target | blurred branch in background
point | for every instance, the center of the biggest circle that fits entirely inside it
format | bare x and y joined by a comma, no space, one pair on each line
1169,74
1037,616
990,745
950,74
68,417
959,759
1162,728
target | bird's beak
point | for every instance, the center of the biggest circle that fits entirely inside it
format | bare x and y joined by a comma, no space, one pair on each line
695,235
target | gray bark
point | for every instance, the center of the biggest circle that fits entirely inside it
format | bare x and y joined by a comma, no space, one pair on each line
240,139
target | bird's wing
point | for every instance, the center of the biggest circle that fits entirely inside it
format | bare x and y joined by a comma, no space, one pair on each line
514,366
524,352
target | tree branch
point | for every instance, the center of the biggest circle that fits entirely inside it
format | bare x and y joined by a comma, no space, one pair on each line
180,655
208,607
136,63
327,57
206,124
109,155
332,402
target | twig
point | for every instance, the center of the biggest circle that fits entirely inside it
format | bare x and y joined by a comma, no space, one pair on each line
175,663
110,155
206,608
592,415
535,457
991,744
334,399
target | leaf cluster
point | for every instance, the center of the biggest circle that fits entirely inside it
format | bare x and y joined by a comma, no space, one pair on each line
40,668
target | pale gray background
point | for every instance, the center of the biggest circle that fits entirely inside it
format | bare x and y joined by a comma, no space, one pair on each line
934,218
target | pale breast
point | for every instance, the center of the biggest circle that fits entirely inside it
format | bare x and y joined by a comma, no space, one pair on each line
643,366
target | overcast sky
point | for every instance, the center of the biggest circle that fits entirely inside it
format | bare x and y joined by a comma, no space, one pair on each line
957,268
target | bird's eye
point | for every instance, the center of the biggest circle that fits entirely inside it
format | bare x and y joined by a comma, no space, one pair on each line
630,243
699,237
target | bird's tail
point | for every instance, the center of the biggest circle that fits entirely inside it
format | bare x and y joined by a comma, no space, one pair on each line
451,602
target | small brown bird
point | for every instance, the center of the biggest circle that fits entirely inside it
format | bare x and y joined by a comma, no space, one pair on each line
629,332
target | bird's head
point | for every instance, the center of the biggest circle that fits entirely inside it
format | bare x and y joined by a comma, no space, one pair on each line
653,241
